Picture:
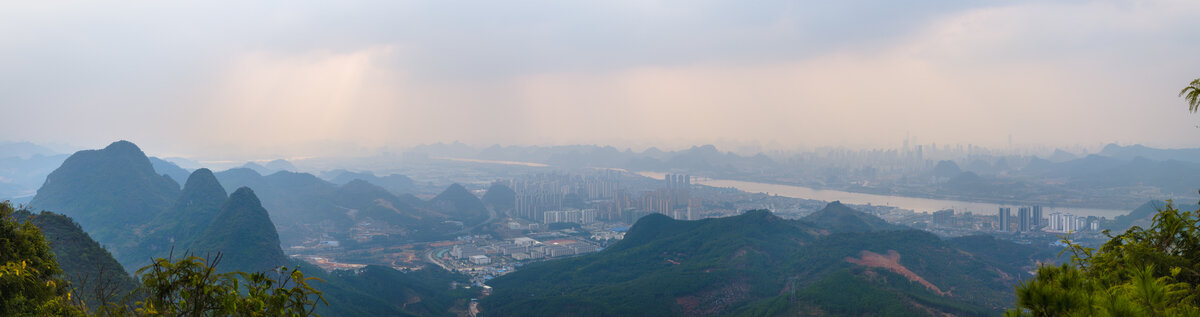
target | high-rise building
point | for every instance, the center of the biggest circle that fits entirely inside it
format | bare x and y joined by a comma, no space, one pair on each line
1037,217
679,187
943,218
1005,218
1024,217
1060,222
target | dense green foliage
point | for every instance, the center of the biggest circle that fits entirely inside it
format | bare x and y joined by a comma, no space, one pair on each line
1191,93
1006,254
383,291
244,233
847,293
95,276
29,282
1152,271
192,287
759,264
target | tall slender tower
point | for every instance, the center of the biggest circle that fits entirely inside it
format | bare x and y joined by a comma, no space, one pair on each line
1024,217
1005,218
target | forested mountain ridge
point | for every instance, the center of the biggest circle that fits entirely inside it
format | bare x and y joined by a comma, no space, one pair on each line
244,234
91,270
759,264
141,216
107,191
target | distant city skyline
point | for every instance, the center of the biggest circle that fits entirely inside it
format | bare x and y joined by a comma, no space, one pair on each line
349,149
227,79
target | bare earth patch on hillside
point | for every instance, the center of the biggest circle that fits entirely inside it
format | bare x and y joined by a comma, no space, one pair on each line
713,302
891,262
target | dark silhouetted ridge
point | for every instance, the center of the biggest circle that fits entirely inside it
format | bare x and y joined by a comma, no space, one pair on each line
460,204
500,197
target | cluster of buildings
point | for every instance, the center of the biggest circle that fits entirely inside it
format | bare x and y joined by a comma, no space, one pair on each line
585,216
1027,219
520,249
1065,223
539,193
554,198
1030,219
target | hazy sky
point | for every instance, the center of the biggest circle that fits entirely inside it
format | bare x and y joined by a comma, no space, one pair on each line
291,77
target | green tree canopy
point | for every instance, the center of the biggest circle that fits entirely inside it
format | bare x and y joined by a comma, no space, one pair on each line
1152,271
193,287
1191,93
29,283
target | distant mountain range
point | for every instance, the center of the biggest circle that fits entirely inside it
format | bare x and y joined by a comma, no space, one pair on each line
176,173
397,184
1175,178
117,197
836,262
705,158
1130,152
279,165
304,205
24,150
140,215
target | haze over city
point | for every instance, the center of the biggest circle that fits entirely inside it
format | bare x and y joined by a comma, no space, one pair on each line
255,80
600,158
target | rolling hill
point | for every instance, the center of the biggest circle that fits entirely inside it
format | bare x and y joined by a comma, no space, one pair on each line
840,263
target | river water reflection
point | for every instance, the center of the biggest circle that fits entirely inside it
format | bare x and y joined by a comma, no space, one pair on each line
911,203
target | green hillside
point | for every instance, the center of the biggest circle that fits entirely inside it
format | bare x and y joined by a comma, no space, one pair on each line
94,273
838,217
759,264
175,228
383,291
244,234
107,191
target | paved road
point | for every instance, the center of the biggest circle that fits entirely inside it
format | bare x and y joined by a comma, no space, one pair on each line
492,216
429,257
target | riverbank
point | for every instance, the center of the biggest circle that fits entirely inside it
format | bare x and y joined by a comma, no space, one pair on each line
918,204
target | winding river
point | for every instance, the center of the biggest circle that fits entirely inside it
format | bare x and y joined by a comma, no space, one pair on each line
911,203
